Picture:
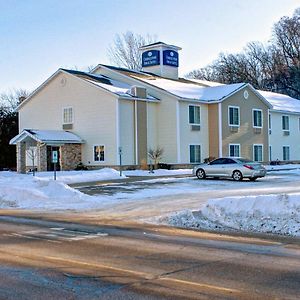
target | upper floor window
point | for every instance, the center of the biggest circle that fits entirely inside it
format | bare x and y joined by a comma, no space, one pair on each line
285,123
234,115
257,118
67,115
99,153
234,150
194,114
270,121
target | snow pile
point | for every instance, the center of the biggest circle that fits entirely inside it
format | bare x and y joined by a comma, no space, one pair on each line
82,176
24,191
278,214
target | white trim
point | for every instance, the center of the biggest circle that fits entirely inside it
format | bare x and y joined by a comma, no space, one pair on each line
190,153
239,154
117,131
178,132
262,117
100,161
262,152
63,113
233,125
220,130
194,105
285,112
135,133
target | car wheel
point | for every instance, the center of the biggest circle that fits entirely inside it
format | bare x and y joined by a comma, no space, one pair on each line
252,178
200,174
237,175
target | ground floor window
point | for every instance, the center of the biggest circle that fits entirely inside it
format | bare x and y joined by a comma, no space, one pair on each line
258,152
286,152
270,152
195,153
99,153
234,150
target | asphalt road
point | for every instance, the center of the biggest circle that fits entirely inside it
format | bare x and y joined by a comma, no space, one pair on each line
44,258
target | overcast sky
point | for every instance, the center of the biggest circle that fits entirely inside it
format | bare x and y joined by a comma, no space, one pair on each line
39,36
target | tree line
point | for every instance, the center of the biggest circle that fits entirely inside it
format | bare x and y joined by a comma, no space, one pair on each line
9,126
274,66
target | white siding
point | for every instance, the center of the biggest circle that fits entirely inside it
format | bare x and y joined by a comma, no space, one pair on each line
278,139
189,137
127,131
152,129
94,115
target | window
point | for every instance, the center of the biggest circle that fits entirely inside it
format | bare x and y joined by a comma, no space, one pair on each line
194,114
257,118
234,150
299,124
270,121
195,153
285,123
286,152
218,161
258,152
99,153
68,115
234,115
270,153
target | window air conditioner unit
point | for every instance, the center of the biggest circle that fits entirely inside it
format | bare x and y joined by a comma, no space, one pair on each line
67,126
234,129
257,130
286,132
195,127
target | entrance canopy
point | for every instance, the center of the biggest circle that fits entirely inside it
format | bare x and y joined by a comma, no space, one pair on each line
48,137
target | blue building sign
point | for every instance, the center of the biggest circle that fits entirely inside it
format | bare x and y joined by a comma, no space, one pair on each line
150,58
170,58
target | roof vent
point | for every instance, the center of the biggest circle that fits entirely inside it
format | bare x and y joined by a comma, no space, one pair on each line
138,91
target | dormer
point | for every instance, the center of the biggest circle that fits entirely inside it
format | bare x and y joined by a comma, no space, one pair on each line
160,59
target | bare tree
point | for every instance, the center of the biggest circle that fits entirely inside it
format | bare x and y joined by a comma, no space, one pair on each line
124,52
274,66
31,152
155,155
13,98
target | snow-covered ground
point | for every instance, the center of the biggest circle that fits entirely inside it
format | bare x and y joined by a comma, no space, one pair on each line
262,213
278,214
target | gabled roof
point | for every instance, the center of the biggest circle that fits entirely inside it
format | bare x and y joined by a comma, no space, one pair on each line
192,90
282,102
49,137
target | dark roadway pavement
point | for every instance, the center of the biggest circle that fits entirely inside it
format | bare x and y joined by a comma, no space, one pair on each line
46,258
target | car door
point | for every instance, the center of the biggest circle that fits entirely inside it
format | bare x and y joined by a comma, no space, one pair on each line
216,168
229,166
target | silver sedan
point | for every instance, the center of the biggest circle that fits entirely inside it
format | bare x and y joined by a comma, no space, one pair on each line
236,168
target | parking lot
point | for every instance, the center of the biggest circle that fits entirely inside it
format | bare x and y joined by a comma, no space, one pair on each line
143,198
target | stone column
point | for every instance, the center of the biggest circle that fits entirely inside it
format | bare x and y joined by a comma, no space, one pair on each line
21,157
41,157
70,156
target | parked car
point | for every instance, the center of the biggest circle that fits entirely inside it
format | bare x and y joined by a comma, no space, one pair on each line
236,168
